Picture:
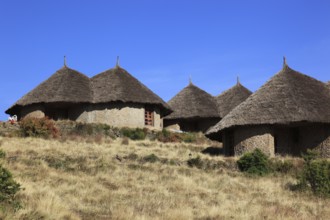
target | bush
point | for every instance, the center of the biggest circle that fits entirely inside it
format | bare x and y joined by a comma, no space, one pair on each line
255,163
151,158
38,127
315,174
134,134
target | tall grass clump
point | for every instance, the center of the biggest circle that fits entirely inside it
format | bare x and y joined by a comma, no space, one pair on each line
38,127
254,163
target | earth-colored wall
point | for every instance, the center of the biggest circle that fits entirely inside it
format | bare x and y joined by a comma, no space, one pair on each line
115,114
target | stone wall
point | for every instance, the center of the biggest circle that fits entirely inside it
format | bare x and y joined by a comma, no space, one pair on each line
252,137
33,111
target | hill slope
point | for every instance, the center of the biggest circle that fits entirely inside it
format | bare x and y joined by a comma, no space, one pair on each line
106,179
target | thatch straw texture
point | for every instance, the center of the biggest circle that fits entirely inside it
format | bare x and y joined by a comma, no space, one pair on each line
118,85
193,102
231,98
288,97
65,85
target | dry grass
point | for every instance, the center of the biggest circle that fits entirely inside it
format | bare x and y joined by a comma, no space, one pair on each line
104,179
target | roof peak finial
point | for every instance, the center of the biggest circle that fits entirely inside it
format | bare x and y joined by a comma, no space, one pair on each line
65,61
238,80
117,63
190,81
284,61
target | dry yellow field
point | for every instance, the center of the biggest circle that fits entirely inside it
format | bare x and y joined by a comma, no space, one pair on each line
105,179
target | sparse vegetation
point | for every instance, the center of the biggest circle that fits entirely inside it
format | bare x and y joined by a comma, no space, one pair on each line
146,179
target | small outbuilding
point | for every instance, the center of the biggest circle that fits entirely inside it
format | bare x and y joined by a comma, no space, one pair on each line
287,115
193,110
231,98
112,97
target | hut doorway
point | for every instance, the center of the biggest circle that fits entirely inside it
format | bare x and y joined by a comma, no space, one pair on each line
229,143
294,140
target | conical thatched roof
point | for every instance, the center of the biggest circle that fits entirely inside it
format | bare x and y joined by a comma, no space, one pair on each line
118,85
231,98
193,102
65,85
288,97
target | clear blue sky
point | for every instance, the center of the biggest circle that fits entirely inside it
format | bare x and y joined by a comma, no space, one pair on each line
162,42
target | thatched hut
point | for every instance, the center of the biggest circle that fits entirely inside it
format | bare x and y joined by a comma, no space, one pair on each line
193,110
287,115
121,100
231,98
112,97
56,97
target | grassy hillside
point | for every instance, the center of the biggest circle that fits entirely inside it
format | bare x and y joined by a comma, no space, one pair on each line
86,178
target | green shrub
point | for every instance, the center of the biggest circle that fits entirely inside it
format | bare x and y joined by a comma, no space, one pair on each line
151,158
8,186
134,134
255,163
315,174
38,127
